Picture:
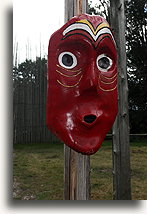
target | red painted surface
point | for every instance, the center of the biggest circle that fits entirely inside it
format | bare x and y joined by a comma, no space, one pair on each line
82,83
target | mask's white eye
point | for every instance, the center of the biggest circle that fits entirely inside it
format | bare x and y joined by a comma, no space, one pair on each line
104,62
67,60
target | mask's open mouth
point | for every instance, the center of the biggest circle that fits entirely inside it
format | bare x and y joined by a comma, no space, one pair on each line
89,118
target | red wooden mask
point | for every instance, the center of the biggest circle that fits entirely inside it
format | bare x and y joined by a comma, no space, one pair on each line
82,83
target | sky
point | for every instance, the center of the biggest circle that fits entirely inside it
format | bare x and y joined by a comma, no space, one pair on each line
33,23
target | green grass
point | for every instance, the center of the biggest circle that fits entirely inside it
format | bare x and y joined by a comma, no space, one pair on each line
101,174
38,172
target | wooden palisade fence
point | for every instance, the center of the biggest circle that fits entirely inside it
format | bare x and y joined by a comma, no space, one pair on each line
29,104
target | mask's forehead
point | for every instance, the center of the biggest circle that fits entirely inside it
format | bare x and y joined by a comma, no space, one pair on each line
91,27
88,19
94,20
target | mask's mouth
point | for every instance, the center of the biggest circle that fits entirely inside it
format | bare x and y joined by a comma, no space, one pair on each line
89,118
88,114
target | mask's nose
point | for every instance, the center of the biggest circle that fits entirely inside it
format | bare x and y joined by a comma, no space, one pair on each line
90,77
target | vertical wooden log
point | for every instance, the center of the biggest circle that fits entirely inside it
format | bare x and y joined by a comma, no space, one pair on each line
83,171
121,153
15,111
76,175
67,155
76,165
40,101
23,109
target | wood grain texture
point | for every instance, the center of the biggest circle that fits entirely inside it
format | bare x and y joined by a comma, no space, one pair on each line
121,153
76,165
76,175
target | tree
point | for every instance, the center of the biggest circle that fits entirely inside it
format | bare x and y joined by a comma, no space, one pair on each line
136,46
136,34
101,8
29,71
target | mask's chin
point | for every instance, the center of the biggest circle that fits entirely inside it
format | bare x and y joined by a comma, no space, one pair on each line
86,145
81,130
83,135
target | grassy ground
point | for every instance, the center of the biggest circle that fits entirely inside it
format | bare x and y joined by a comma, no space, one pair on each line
38,172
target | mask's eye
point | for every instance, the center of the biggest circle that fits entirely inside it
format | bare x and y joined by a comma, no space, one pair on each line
67,60
104,62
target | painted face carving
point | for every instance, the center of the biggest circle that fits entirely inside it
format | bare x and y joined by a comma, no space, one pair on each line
82,83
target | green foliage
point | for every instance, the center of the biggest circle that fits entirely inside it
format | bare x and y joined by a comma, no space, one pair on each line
136,34
29,71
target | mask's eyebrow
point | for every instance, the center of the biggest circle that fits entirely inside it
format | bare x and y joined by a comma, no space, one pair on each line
84,27
85,24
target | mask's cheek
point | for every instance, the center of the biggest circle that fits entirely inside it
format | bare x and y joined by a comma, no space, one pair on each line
109,105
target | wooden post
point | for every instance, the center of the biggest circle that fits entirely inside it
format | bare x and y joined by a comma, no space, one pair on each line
76,165
121,153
